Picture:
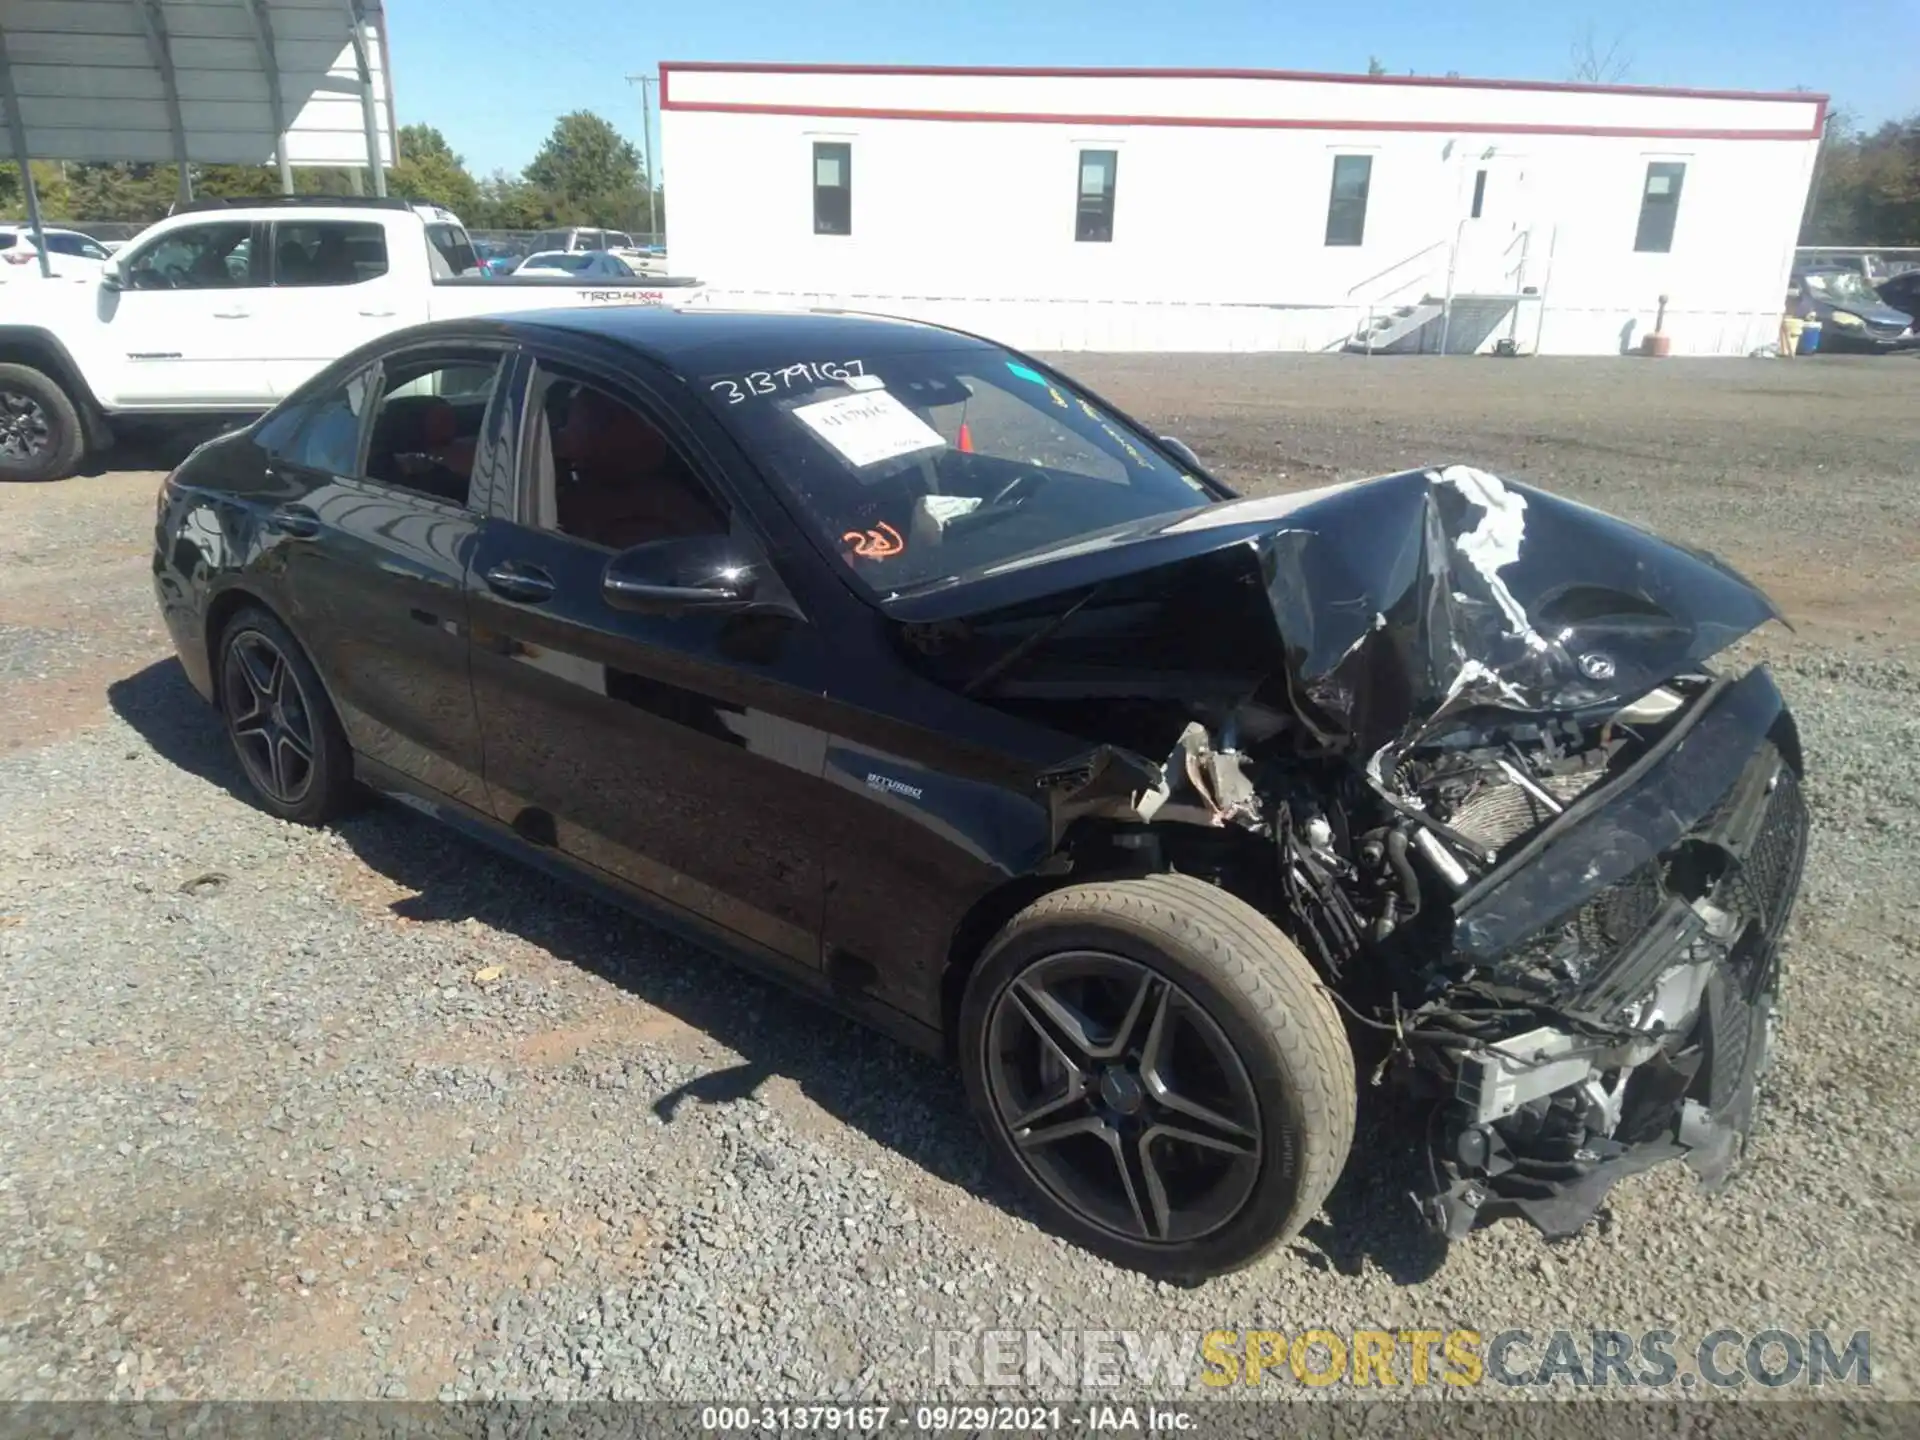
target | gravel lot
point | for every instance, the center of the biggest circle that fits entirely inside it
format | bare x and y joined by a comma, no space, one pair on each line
369,1112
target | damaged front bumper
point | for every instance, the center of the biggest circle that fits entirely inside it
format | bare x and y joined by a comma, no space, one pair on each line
1640,932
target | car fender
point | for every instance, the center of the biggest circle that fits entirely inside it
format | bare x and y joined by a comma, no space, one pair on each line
39,347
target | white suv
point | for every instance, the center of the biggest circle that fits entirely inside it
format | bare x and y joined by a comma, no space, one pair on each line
18,255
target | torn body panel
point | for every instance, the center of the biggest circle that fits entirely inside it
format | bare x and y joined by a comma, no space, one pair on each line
1454,736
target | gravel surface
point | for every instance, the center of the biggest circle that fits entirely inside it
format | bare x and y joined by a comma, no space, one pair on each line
367,1112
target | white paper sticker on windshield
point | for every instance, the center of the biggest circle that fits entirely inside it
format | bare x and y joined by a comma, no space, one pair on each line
869,428
865,382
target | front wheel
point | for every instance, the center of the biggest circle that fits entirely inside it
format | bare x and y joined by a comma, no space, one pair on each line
1161,1071
40,431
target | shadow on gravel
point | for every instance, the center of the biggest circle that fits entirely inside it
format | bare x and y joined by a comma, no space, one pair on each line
150,446
912,1105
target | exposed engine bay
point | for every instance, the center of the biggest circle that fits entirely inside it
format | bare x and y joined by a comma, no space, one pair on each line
1458,739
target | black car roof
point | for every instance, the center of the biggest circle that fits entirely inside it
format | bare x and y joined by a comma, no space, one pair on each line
700,342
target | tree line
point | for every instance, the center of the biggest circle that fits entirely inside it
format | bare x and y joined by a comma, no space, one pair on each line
1866,190
586,173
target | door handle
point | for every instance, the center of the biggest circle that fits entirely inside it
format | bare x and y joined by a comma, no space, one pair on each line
526,583
295,521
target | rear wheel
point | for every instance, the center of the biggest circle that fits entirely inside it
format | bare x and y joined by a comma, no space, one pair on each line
40,432
284,732
1160,1069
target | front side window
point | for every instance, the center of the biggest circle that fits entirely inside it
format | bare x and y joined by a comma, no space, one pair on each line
196,257
832,189
604,473
915,466
322,431
1093,219
1347,206
328,252
1659,206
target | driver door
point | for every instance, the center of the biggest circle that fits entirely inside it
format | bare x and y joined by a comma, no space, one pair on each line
679,754
185,326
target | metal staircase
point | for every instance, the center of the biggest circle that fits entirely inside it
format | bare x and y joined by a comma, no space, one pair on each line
1403,301
1394,329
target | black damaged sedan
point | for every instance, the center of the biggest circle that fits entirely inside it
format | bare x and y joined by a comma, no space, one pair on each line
897,663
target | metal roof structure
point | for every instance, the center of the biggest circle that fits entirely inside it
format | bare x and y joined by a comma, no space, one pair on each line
209,82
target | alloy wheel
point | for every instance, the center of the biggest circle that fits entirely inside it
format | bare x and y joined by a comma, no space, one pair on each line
1123,1098
25,431
271,719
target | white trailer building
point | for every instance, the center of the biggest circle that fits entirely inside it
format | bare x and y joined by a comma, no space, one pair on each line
1243,210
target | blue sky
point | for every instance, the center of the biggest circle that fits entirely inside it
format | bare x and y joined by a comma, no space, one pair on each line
494,74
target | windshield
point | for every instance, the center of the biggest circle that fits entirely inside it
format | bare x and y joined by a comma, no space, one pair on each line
918,466
1847,287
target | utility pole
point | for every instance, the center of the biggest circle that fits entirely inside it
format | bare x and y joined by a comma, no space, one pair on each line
646,147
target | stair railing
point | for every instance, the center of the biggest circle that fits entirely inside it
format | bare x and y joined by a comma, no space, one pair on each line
1374,302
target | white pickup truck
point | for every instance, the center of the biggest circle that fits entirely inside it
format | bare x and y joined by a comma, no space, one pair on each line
221,309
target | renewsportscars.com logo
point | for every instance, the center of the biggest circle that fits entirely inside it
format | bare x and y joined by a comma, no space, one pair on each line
1169,1363
1657,1359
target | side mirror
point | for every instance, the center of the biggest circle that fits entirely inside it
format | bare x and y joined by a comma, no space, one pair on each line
1183,450
695,572
112,276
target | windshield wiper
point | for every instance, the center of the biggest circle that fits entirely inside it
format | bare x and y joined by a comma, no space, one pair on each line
1027,646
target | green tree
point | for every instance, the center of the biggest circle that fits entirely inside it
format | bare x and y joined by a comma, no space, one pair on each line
1867,186
138,193
429,170
506,202
589,173
49,183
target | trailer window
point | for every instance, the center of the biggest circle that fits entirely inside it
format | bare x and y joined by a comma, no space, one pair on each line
1347,206
832,189
1094,216
1659,206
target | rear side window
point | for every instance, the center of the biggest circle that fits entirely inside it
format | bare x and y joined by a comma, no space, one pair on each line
426,427
76,245
328,252
449,251
322,432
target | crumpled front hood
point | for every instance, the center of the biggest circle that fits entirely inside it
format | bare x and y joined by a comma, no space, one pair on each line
1400,601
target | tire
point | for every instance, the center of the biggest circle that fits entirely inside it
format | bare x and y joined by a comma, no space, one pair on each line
280,722
1215,970
41,437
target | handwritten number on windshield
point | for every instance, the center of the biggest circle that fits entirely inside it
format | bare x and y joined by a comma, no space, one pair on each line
741,388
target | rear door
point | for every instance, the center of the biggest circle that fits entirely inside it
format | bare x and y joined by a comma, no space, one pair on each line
379,521
333,287
680,754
